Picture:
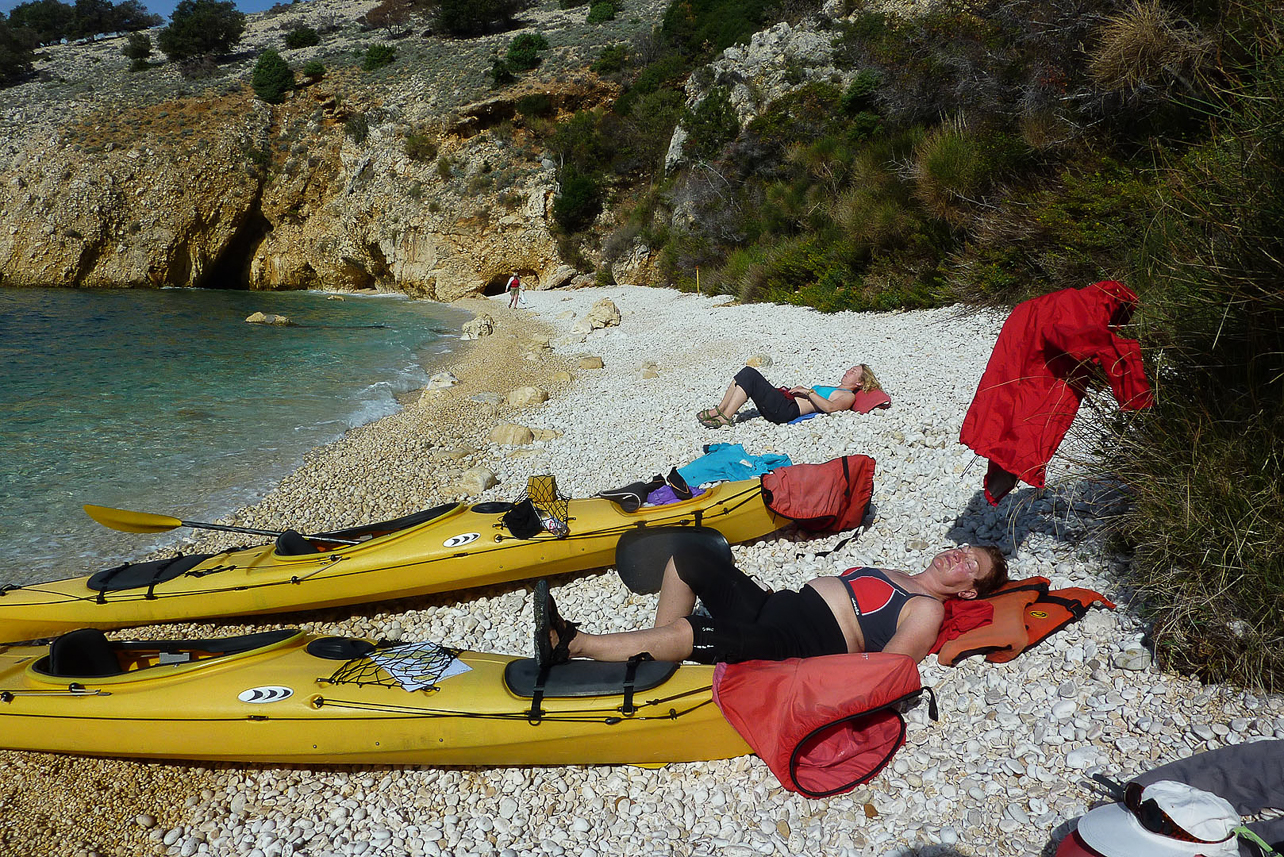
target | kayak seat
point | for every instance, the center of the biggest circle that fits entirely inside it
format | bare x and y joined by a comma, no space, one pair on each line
85,653
584,678
133,575
293,543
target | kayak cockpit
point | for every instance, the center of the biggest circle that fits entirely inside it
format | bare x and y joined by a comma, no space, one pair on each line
294,543
87,653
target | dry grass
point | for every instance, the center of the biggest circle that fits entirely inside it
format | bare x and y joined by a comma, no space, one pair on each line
1146,45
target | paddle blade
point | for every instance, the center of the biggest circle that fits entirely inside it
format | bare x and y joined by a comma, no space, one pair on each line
132,522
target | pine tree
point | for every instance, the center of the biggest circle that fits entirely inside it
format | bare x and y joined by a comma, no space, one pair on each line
272,77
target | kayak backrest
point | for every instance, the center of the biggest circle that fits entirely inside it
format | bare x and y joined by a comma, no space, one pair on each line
642,554
84,653
87,653
585,678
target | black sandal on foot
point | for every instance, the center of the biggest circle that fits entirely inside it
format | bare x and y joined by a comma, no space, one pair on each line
548,619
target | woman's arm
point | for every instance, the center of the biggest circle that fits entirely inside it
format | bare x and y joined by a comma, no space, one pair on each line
842,400
919,626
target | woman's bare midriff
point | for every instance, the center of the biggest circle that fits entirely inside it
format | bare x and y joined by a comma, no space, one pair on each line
834,591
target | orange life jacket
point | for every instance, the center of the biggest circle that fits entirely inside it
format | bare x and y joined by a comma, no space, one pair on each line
1023,614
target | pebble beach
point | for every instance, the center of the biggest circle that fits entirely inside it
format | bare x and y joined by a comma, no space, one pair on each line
1000,773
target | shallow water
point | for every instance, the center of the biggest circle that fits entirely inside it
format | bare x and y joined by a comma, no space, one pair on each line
168,402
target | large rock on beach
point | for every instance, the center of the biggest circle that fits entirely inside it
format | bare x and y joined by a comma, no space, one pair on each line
524,397
603,314
482,325
475,480
508,434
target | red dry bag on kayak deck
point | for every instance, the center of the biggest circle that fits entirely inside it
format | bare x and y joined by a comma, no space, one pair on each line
828,497
824,725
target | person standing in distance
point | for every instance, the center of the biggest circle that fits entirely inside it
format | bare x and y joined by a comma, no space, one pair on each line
514,290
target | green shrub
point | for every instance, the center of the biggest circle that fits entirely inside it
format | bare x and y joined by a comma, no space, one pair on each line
500,74
313,70
357,127
601,12
272,77
579,199
523,51
16,53
138,48
378,56
420,147
611,60
302,37
711,125
474,17
536,104
200,28
48,21
1204,467
571,4
860,93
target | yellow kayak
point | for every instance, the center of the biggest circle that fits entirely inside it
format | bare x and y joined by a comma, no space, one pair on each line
284,697
440,550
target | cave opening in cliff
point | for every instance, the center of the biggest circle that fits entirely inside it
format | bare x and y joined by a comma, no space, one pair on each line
498,284
231,270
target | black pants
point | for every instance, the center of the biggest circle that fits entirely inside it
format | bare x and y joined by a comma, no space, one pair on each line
747,623
774,405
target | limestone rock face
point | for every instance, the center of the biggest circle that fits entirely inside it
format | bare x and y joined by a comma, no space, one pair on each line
207,186
145,214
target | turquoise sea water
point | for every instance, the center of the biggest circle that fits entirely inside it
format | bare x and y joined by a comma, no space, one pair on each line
168,402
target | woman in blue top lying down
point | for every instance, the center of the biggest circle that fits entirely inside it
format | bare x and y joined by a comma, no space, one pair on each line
861,610
779,407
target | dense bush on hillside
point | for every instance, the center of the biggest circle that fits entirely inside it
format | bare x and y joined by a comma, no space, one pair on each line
201,28
272,77
1205,467
16,57
52,20
474,17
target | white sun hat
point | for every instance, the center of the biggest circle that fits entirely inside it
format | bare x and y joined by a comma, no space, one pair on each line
1138,827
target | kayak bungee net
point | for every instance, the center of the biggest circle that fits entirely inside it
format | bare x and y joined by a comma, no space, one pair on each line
450,547
285,697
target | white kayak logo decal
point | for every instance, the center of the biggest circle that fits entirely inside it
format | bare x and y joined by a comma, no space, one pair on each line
260,695
461,539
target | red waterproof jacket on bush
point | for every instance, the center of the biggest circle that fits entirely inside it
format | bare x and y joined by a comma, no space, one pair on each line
1037,375
828,497
823,725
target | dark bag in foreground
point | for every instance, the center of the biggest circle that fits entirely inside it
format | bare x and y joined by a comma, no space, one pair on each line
828,497
824,725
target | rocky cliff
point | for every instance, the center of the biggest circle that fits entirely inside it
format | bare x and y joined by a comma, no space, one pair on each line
112,178
418,177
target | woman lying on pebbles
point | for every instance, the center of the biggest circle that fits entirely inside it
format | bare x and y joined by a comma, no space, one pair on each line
777,407
861,610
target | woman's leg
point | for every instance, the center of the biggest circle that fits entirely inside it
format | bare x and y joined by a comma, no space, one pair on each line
677,599
732,400
671,642
774,405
